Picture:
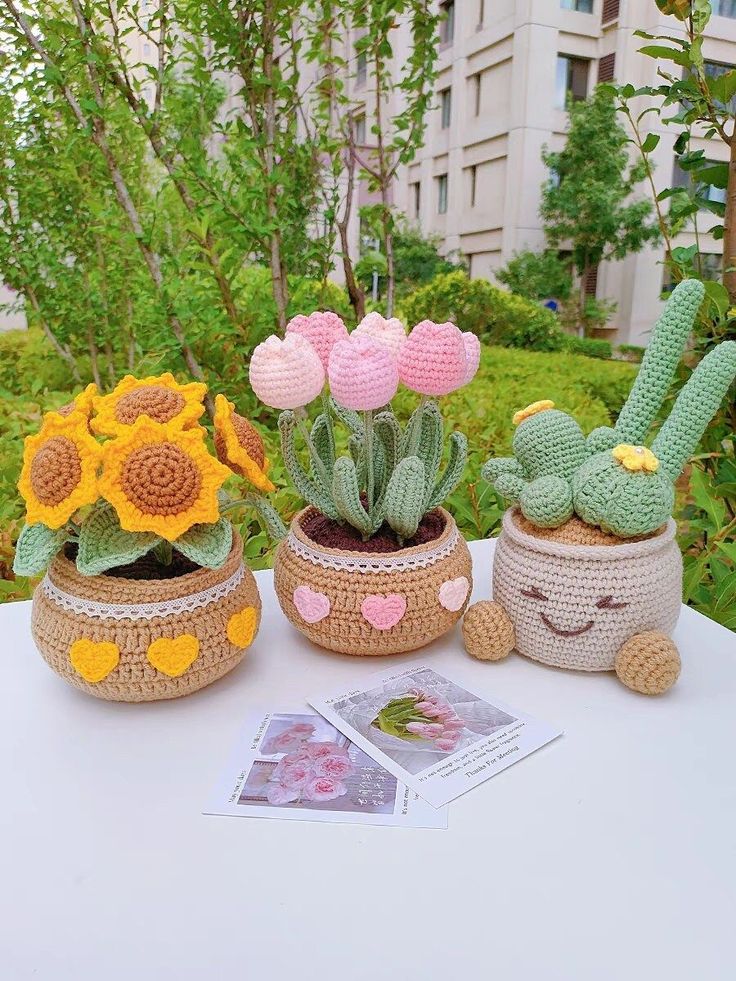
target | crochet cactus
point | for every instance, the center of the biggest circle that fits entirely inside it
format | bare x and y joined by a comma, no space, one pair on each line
610,479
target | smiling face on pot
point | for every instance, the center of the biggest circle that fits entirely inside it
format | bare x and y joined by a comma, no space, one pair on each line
576,612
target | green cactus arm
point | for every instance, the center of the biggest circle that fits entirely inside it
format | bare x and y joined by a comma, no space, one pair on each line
602,438
696,405
547,501
660,362
510,486
312,490
497,465
404,500
453,471
346,495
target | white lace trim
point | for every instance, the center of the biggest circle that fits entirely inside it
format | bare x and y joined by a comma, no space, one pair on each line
142,611
391,562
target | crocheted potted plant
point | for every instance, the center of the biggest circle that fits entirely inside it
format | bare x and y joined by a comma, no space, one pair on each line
146,594
587,573
373,564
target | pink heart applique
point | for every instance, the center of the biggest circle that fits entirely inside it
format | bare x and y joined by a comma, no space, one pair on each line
383,612
311,606
453,593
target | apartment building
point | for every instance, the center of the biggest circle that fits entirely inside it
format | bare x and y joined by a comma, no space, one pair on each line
506,69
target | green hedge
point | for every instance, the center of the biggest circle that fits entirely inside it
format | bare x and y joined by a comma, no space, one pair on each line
591,346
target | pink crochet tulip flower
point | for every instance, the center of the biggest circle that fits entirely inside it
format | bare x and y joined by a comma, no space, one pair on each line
390,333
472,355
433,360
286,374
362,373
322,330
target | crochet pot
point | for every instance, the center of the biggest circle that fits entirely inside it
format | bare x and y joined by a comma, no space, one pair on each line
138,639
575,597
373,603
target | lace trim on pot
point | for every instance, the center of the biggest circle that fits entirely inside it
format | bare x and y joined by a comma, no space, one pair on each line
141,611
374,563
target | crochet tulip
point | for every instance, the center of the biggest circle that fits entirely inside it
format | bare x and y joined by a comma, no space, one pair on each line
286,374
433,360
322,329
472,355
390,333
362,373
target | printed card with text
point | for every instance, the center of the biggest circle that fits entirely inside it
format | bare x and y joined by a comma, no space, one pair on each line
299,767
436,736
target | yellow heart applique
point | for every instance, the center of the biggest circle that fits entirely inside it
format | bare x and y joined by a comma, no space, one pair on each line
241,627
94,660
173,656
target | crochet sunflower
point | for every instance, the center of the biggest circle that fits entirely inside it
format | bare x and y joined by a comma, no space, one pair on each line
59,472
239,445
160,398
161,478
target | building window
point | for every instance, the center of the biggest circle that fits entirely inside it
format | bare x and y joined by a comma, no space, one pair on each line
583,6
361,68
714,69
447,24
724,8
473,178
416,196
475,92
360,129
442,194
572,79
445,107
607,68
610,11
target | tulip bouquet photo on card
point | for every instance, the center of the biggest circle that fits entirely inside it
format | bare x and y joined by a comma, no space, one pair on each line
373,564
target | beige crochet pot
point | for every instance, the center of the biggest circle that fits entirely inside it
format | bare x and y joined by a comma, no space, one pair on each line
373,603
575,597
136,640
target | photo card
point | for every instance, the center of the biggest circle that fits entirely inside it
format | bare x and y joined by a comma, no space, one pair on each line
297,766
433,734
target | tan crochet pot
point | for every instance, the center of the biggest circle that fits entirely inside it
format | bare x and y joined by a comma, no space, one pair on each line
371,603
136,640
575,605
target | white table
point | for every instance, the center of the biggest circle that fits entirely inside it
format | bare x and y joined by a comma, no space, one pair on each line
609,854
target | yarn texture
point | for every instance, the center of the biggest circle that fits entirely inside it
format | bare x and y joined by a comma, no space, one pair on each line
346,601
488,632
433,359
151,653
362,373
648,663
322,329
286,374
160,398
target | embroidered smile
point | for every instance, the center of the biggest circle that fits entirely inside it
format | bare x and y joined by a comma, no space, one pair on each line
604,603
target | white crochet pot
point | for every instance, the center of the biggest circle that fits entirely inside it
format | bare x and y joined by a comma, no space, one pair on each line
574,606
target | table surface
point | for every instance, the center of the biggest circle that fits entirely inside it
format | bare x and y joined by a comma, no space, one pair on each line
608,854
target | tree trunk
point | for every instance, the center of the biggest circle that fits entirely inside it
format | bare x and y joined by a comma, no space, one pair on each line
729,226
388,245
61,349
582,298
93,357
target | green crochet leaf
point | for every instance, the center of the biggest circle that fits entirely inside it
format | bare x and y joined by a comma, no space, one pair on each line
404,499
208,544
346,494
357,452
323,440
103,544
275,527
310,489
453,472
37,545
348,417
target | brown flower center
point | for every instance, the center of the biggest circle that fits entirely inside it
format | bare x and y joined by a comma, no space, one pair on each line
249,439
56,470
156,401
161,479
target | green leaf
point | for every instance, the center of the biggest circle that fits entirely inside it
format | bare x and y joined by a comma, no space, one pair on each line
650,143
346,495
718,295
404,500
103,544
208,544
36,546
453,472
669,54
703,496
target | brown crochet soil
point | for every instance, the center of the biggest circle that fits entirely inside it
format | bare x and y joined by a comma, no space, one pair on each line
324,531
576,532
145,568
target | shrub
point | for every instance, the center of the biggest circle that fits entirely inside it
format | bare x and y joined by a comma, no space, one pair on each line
537,276
590,346
495,315
630,352
28,365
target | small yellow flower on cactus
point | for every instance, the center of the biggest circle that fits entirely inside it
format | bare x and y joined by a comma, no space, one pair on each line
532,410
635,458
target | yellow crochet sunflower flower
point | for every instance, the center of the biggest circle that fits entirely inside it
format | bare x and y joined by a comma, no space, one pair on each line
81,403
532,410
239,445
161,478
635,458
159,397
59,472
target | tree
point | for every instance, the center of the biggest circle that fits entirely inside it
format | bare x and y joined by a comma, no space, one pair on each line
587,205
537,276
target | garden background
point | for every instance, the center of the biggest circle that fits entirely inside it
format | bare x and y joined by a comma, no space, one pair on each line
148,225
